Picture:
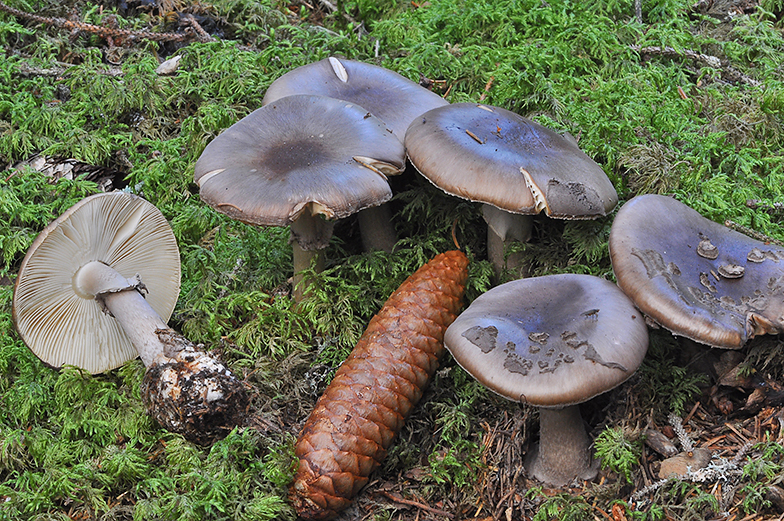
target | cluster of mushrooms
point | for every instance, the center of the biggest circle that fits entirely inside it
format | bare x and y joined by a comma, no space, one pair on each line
321,148
558,340
329,134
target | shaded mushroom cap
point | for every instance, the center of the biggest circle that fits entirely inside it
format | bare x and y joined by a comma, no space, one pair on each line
695,277
394,99
491,155
64,326
297,154
550,341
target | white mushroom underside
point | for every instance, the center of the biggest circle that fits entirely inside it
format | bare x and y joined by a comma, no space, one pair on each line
63,339
63,328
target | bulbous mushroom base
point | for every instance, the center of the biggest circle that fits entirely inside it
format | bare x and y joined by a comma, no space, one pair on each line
194,395
564,450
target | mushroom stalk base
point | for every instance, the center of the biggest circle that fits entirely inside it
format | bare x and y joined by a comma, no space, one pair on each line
564,452
310,235
303,260
376,228
184,389
193,394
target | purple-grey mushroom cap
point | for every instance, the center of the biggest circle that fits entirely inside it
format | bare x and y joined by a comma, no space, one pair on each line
695,277
550,341
495,156
394,99
298,153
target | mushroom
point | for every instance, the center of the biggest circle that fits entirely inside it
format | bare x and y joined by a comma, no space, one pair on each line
552,342
80,300
514,166
696,277
394,99
301,161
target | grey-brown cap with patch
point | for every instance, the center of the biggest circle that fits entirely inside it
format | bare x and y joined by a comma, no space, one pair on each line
299,153
695,277
495,156
394,99
550,341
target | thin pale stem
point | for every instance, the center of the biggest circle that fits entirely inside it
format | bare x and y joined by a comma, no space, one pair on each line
503,230
303,260
310,235
136,317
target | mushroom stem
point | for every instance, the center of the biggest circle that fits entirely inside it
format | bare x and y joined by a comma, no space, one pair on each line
125,303
303,260
378,232
503,229
310,235
139,322
564,451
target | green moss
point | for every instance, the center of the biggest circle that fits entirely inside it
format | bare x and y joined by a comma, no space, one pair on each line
618,451
560,506
666,387
656,123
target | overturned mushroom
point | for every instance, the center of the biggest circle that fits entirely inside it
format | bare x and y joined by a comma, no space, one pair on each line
514,166
552,342
301,161
696,277
80,300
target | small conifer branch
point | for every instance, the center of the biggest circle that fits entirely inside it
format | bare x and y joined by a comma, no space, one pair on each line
773,208
727,70
738,459
727,497
329,5
60,69
203,36
686,444
732,225
109,32
416,504
653,487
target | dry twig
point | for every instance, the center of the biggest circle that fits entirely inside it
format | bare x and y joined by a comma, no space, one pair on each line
194,31
727,70
416,504
772,208
751,233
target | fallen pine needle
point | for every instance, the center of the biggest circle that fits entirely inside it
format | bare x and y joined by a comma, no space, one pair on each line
416,504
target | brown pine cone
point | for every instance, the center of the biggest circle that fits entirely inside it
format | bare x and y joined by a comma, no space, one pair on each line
354,422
